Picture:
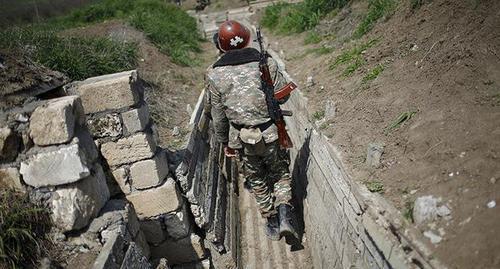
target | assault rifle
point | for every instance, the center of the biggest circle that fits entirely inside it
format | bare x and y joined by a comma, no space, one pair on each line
272,97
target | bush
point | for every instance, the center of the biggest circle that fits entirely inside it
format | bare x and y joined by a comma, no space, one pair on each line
295,18
77,57
23,226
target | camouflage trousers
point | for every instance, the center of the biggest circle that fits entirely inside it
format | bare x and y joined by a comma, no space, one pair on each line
268,174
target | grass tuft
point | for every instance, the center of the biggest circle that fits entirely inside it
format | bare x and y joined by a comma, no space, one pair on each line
318,115
23,226
402,118
376,10
375,186
353,58
373,74
408,211
312,38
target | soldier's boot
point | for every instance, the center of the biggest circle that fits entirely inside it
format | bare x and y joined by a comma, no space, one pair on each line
287,220
273,228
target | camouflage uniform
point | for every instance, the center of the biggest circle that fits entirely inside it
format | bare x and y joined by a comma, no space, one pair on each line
235,99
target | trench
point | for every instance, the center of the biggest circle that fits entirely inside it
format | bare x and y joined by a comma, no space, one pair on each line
342,224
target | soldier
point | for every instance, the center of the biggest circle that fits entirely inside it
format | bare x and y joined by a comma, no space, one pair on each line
242,124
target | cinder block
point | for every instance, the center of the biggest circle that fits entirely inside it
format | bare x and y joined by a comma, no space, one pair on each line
107,125
128,150
149,173
108,92
54,122
178,224
59,166
181,251
136,120
10,178
9,144
153,230
154,202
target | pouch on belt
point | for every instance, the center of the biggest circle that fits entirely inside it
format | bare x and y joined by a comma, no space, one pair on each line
252,140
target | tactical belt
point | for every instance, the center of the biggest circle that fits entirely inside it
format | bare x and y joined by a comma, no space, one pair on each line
262,127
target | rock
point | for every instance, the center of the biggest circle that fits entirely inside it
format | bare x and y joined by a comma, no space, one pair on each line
330,110
425,209
189,109
373,154
128,150
176,131
10,178
120,176
491,204
154,202
9,144
54,122
493,180
149,173
112,254
60,166
309,81
115,213
435,239
134,259
74,205
181,251
153,230
163,264
443,211
108,92
107,125
177,223
136,120
141,242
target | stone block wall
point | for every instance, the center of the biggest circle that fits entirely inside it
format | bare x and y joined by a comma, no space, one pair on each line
136,167
51,155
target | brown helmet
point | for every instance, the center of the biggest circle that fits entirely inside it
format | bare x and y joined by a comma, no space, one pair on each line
233,35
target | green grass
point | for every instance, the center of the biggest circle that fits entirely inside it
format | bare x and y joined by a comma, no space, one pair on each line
373,74
312,38
285,18
319,51
376,10
375,186
166,25
318,115
23,226
77,57
408,211
402,118
353,58
171,29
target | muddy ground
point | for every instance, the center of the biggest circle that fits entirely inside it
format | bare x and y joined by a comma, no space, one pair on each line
441,62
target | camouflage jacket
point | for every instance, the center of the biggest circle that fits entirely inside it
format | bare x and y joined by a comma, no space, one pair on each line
234,96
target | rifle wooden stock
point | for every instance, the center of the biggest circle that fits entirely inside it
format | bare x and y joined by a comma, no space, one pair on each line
283,137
